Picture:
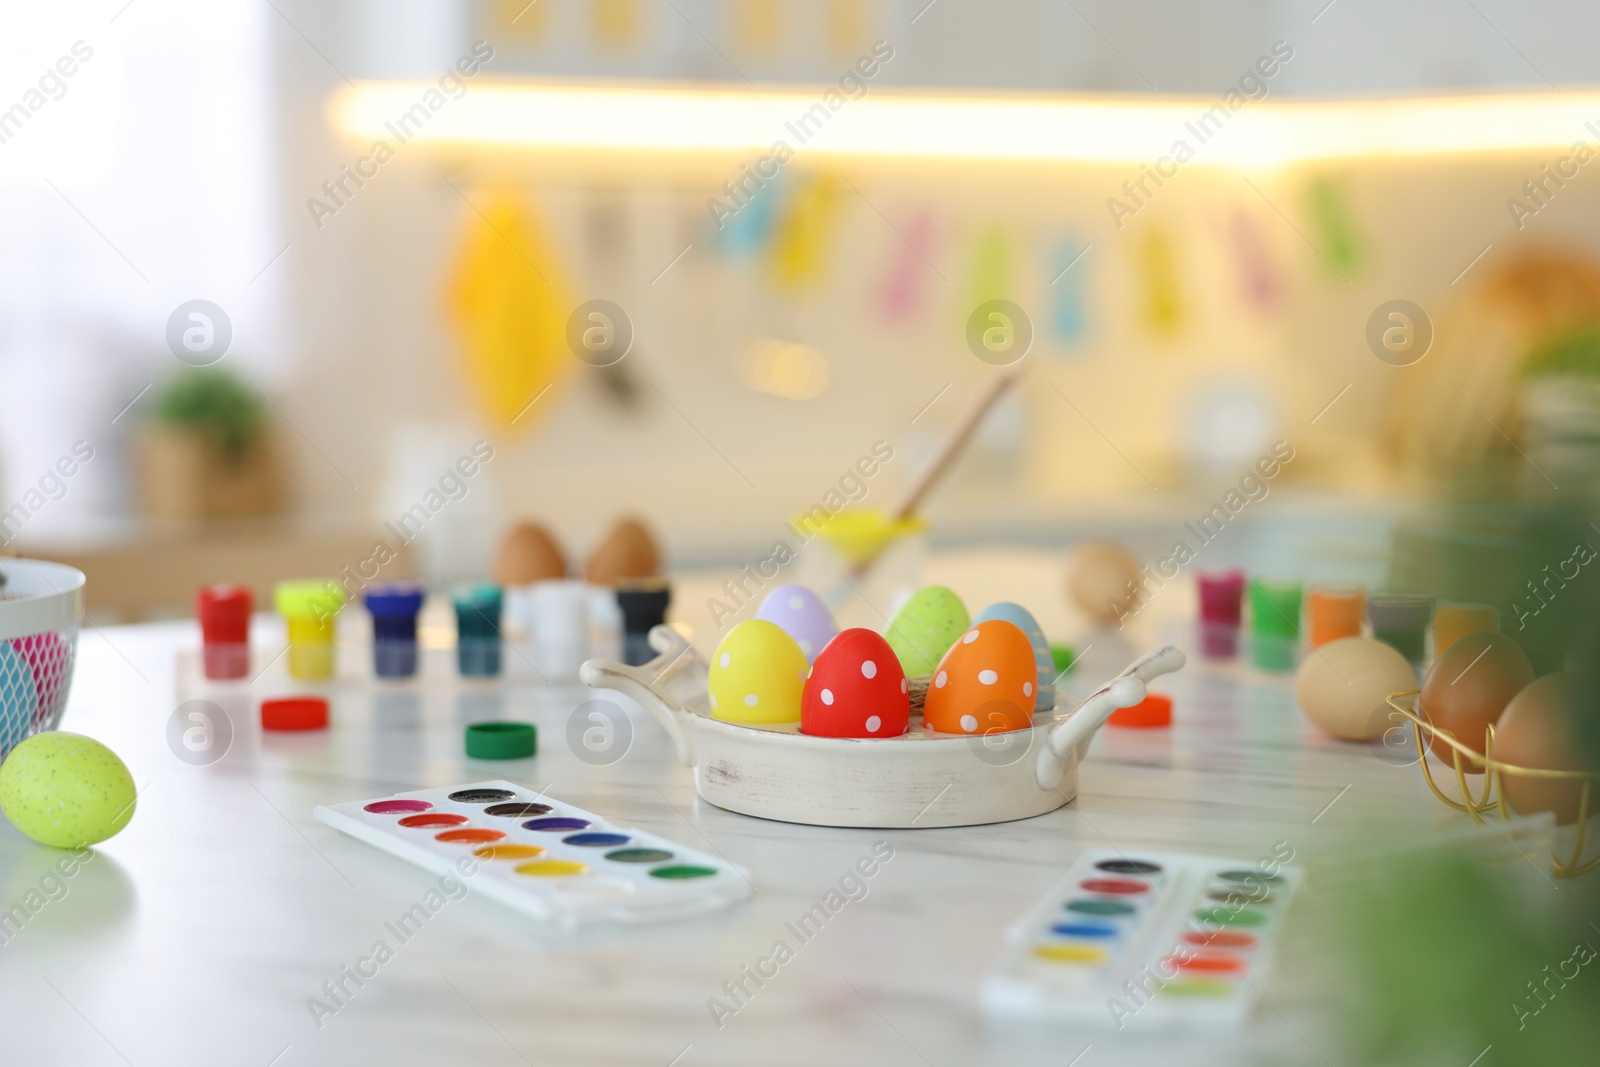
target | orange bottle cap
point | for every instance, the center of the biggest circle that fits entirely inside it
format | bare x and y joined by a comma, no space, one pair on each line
1154,710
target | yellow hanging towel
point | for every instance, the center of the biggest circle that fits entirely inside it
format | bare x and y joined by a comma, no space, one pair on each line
510,303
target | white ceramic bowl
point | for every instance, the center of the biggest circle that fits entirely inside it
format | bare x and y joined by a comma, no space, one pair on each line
919,779
40,606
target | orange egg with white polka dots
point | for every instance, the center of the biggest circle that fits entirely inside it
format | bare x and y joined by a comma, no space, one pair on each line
856,689
985,683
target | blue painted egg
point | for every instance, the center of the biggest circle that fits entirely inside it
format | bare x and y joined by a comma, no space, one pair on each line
1022,619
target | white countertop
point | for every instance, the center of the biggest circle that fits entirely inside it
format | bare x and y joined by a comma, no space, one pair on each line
199,933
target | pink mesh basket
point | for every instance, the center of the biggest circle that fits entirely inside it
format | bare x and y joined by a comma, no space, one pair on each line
40,605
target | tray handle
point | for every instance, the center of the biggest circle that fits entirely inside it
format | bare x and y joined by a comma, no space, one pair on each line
1123,691
651,684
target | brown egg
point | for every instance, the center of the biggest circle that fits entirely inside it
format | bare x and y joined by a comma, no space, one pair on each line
1536,732
527,555
1467,688
1103,580
629,551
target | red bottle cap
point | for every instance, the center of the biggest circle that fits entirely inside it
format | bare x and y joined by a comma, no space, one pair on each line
294,713
1153,710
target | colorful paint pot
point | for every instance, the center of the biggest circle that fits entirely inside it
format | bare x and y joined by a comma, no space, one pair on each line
396,807
1401,620
310,607
434,820
596,840
478,637
1221,612
555,823
683,872
394,607
1334,610
639,855
481,796
551,868
224,615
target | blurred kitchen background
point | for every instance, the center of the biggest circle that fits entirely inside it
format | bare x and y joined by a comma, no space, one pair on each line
375,338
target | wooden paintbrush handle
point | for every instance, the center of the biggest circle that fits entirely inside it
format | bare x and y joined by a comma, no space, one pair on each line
953,444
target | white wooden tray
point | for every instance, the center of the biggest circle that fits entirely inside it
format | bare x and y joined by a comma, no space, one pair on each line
919,779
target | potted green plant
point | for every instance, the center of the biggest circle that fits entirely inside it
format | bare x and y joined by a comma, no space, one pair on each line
204,450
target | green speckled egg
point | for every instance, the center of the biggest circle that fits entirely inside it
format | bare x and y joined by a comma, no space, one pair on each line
66,790
925,627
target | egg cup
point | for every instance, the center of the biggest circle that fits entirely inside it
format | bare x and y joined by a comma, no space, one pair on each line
918,779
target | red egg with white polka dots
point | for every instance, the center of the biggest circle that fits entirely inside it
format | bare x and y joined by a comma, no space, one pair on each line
985,683
856,689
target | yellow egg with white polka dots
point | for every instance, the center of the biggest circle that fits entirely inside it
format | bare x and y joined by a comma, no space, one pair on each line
757,675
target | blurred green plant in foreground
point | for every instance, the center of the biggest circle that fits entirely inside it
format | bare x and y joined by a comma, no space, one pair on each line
1574,354
1450,957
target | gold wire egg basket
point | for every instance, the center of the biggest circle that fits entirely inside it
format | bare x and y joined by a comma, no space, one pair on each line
1484,803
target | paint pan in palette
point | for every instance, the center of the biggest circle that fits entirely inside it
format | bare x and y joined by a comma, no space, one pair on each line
1146,941
549,860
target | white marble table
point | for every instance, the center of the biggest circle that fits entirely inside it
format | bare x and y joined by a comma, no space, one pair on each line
199,934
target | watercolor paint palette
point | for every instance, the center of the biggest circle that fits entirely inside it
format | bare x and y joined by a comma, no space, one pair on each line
1147,941
549,860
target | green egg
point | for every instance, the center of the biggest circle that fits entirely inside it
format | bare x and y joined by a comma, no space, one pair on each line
66,790
925,627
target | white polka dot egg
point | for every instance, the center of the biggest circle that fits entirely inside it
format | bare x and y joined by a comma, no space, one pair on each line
856,689
986,682
757,675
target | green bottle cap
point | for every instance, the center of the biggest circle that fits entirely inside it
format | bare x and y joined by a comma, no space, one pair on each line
502,740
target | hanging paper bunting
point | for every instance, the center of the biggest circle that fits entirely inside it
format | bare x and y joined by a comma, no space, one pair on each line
523,20
804,233
614,22
1257,275
847,26
749,228
757,25
1163,305
509,301
1335,225
900,293
1068,284
992,268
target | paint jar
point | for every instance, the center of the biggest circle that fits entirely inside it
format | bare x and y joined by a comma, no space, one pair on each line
560,628
1334,610
394,607
1454,619
644,603
1401,620
311,607
478,637
224,615
1274,623
1221,609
